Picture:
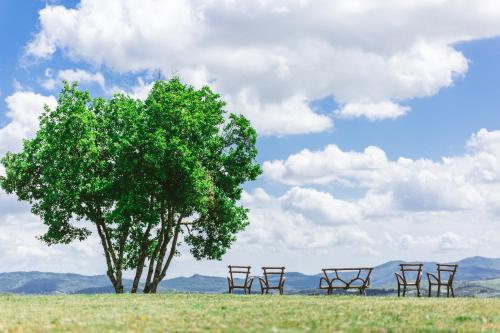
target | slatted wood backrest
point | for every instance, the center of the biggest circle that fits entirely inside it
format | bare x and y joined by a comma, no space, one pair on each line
239,270
406,268
447,270
273,271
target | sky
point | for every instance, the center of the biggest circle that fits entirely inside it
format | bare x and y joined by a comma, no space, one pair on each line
378,121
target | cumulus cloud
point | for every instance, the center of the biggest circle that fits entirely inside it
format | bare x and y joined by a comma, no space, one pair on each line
71,75
372,111
302,219
330,165
22,251
23,110
272,58
314,226
470,181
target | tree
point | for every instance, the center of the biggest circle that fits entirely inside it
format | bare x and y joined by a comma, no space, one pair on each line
145,176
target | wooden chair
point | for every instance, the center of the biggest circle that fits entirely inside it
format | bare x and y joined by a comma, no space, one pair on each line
346,278
445,275
405,279
244,272
266,282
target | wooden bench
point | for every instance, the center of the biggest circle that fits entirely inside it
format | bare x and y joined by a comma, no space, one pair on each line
346,278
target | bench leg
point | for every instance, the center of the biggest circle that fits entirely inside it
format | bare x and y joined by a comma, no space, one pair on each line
452,293
418,290
404,291
430,286
399,290
439,290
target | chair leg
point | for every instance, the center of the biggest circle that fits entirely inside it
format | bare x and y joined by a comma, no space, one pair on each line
452,293
404,291
418,290
430,286
399,290
439,290
447,291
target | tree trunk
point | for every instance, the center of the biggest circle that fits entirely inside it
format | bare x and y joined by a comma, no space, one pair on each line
142,258
115,275
163,270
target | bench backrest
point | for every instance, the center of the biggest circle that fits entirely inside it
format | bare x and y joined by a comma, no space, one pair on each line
273,274
357,274
242,271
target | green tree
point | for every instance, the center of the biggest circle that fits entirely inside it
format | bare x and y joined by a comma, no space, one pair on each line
145,175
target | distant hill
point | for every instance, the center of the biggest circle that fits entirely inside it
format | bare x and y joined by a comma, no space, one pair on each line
476,276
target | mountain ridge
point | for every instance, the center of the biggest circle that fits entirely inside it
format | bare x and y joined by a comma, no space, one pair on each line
474,273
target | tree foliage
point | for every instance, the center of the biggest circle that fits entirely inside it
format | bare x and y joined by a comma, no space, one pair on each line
145,175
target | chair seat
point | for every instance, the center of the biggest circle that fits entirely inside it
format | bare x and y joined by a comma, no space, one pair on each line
439,282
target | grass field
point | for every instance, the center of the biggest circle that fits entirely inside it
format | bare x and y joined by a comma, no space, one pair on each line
240,313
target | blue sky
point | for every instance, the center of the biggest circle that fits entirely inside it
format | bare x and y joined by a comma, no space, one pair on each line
319,89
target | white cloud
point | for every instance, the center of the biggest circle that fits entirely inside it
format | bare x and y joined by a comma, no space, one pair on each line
270,59
446,242
372,111
24,108
22,251
291,116
302,219
320,206
71,75
330,165
467,182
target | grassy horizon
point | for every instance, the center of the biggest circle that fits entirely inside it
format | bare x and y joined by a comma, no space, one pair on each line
245,313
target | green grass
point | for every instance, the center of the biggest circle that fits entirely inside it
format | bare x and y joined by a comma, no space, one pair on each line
240,313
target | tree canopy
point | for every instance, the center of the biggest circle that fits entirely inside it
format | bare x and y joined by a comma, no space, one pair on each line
145,175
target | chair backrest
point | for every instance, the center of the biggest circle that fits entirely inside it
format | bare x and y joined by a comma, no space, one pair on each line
243,271
409,270
447,271
270,272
